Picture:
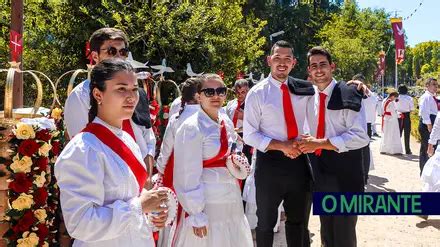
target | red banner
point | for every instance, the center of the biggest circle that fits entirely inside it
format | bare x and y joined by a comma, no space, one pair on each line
399,39
15,45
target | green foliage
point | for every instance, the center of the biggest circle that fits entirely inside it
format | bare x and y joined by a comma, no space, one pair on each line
355,37
423,61
211,36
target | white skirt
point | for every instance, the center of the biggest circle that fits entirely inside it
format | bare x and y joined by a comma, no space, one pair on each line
227,225
431,174
391,141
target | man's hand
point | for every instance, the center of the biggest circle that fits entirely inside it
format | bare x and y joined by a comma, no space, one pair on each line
360,86
429,127
153,200
200,231
291,149
309,144
430,150
159,220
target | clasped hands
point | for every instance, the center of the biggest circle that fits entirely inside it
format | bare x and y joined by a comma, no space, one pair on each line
307,144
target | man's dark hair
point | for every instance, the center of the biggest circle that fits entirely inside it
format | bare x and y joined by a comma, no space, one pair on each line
107,33
282,44
403,89
102,72
241,83
359,77
318,50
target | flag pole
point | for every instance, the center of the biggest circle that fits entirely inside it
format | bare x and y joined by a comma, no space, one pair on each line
395,82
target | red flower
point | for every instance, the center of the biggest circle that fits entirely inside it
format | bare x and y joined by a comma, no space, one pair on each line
40,197
42,163
21,183
25,222
42,231
28,147
56,147
43,135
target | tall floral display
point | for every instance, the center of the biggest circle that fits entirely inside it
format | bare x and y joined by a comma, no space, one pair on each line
33,193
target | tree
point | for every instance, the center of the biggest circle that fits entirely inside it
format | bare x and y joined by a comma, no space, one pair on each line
355,37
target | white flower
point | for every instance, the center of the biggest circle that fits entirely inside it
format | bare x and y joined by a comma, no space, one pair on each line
24,131
40,180
41,215
44,149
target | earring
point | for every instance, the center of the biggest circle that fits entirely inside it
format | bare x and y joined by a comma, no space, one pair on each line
99,103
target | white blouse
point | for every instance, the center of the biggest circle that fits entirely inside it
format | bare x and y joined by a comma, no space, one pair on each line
198,139
99,193
230,110
170,133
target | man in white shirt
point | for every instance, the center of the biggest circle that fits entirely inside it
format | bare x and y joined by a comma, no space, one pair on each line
338,135
405,105
427,112
108,43
273,121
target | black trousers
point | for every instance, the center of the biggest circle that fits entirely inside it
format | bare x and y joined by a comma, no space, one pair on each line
336,231
424,134
369,131
279,178
339,172
366,162
405,125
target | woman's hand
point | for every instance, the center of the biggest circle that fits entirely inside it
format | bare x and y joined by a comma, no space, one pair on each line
153,200
430,150
200,232
160,219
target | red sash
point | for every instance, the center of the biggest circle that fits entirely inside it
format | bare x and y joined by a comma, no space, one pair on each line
235,118
385,112
126,126
169,172
122,150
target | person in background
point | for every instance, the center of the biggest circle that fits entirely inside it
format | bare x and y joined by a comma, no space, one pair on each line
390,143
427,111
405,105
108,43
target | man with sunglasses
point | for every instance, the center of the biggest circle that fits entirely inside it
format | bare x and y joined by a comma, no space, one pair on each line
273,122
108,43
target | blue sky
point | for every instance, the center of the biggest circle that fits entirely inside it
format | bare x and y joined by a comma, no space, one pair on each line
422,26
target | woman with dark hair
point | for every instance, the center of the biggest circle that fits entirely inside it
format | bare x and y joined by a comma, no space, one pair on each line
390,143
165,162
210,196
101,172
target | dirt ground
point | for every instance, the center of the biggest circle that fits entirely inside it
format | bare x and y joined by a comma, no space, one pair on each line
391,173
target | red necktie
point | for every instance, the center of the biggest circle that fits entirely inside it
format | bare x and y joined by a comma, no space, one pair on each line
289,115
320,132
235,118
126,126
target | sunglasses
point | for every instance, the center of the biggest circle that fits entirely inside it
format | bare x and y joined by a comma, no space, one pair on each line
209,92
112,51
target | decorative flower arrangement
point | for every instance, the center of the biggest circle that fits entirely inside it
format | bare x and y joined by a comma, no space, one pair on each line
33,193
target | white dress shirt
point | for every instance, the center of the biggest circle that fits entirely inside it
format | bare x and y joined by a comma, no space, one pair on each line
434,137
427,107
170,134
230,111
370,105
405,103
346,129
99,193
76,117
264,114
175,106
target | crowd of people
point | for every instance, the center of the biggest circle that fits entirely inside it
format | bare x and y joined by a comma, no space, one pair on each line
300,136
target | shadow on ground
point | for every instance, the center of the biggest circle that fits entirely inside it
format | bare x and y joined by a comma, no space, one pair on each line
377,184
427,223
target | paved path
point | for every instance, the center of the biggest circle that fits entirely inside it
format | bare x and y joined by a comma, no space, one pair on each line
391,173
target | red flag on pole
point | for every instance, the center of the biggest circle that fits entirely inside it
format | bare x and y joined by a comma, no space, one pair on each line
380,71
15,45
399,39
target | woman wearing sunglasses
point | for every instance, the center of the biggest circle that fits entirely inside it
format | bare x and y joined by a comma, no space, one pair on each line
210,196
101,172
